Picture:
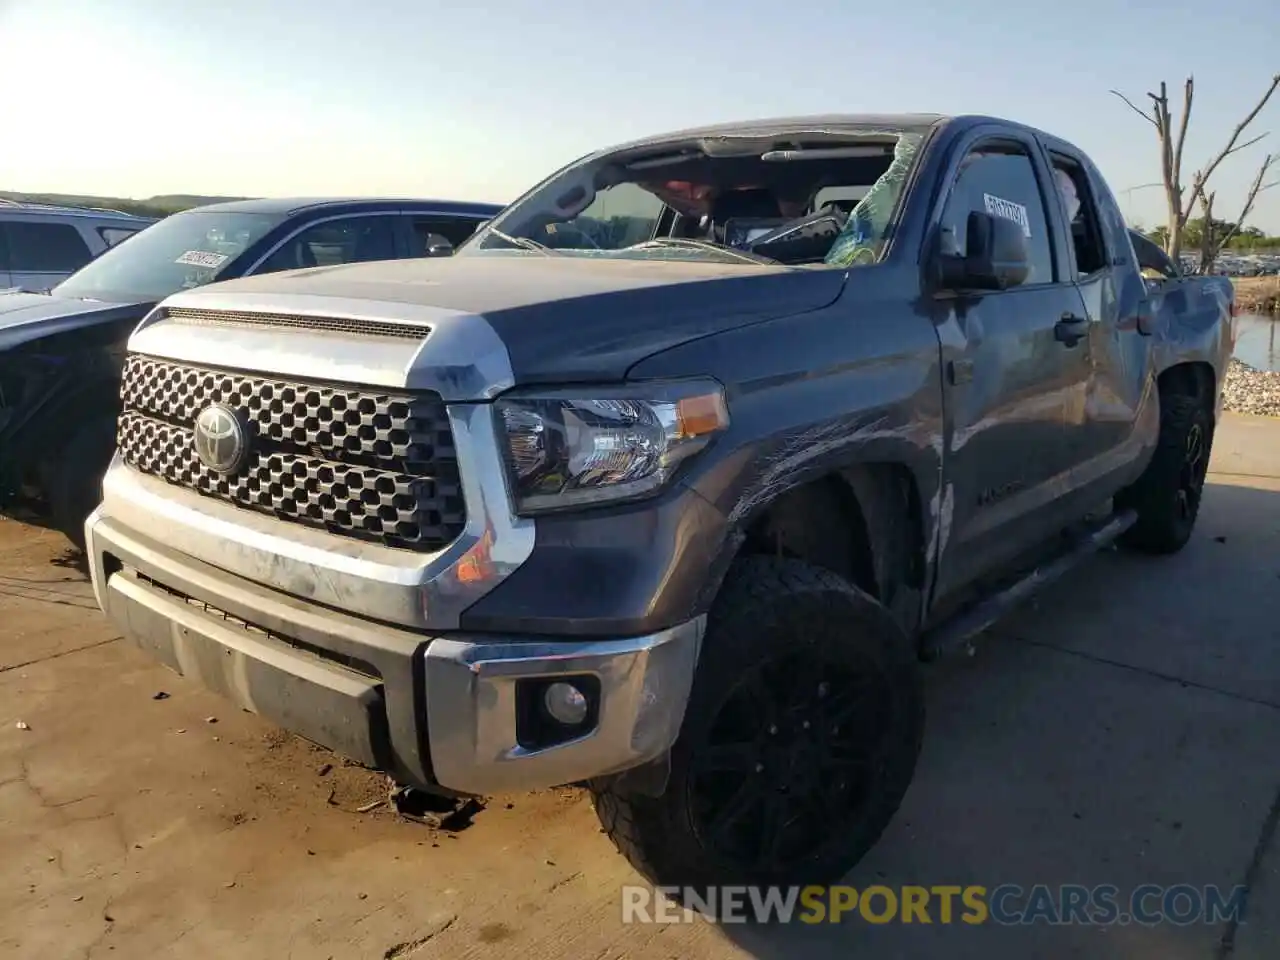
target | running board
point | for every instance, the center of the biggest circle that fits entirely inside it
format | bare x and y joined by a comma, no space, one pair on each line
954,635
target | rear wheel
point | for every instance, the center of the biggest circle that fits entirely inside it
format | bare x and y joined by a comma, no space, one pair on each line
1167,495
799,741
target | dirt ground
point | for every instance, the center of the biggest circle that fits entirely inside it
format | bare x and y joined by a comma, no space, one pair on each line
1126,737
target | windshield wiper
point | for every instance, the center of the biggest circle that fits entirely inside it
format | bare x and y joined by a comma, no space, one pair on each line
689,243
524,243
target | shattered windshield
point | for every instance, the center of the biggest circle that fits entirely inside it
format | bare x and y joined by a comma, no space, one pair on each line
184,250
808,198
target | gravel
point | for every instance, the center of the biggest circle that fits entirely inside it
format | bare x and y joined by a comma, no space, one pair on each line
1249,390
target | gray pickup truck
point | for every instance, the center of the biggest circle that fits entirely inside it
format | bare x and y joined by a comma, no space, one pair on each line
671,478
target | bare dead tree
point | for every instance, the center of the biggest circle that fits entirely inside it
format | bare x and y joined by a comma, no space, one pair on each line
1172,141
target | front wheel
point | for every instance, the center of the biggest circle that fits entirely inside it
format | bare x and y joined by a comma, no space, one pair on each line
799,741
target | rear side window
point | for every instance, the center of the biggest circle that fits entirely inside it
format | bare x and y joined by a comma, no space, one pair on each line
45,247
453,229
113,235
4,249
1001,180
1086,227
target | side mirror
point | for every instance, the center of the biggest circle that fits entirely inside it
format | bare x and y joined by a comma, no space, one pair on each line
438,246
996,256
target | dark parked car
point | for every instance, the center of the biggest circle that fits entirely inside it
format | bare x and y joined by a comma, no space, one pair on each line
670,478
60,353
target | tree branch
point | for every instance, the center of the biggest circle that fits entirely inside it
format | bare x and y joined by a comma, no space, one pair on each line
1254,189
1145,116
1230,148
1188,93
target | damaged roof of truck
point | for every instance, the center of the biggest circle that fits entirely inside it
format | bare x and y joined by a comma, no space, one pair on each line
835,123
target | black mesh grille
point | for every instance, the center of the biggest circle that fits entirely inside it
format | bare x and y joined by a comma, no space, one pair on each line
373,465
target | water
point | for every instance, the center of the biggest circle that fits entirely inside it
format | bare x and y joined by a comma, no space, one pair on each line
1258,341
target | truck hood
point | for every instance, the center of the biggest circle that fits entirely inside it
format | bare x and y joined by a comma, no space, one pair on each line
30,316
560,318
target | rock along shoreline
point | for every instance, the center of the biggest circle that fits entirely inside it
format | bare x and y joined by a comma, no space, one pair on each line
1249,390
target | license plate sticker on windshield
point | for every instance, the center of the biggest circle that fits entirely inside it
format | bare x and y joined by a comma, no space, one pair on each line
202,258
1008,210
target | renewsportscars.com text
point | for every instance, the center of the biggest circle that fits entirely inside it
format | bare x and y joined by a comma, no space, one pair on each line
973,905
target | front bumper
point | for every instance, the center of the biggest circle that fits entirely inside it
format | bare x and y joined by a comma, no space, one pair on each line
436,711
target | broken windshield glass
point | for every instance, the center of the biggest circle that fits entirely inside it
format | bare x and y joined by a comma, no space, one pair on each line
807,198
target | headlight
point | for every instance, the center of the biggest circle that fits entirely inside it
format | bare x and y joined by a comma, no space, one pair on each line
574,448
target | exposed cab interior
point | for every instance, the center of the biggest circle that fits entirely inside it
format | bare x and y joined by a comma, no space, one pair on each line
808,198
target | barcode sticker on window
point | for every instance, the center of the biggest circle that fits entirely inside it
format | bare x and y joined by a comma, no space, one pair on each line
202,258
1008,210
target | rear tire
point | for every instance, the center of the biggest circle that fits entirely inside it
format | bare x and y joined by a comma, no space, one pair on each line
799,740
1167,495
75,477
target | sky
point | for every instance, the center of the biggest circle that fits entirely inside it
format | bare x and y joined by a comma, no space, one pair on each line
480,101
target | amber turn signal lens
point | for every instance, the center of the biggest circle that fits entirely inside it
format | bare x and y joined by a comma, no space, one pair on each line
701,415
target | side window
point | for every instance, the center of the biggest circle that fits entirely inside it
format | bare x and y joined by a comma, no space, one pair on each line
453,229
46,247
113,235
350,240
1001,180
1082,214
4,247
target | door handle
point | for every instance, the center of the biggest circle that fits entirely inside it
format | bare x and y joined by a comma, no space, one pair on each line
1070,329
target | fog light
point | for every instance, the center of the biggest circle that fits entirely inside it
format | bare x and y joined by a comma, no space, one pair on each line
565,703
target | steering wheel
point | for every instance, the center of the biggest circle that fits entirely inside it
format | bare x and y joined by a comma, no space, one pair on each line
826,211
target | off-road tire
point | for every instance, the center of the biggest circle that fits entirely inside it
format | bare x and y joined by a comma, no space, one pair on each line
768,609
1167,495
75,476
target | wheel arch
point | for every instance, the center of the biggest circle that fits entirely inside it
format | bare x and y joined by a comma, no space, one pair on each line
1195,378
865,522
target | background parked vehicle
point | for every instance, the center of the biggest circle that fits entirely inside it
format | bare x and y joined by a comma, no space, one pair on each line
42,245
60,353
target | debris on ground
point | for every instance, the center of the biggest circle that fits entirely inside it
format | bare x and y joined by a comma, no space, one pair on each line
23,725
441,813
160,695
210,719
372,805
324,769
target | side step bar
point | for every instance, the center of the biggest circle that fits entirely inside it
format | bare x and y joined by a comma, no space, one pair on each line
954,635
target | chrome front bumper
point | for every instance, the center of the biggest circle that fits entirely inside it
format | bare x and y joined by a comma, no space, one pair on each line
436,711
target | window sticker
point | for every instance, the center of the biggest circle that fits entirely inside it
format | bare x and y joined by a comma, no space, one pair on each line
1008,210
202,258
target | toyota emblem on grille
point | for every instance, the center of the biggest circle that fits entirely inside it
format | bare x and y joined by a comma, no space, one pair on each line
221,439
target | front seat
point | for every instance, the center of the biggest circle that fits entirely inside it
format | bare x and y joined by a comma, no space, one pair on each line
754,203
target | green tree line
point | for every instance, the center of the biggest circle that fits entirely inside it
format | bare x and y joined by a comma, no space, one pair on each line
160,206
1248,238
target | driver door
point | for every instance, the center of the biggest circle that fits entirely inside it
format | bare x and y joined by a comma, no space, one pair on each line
1012,388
